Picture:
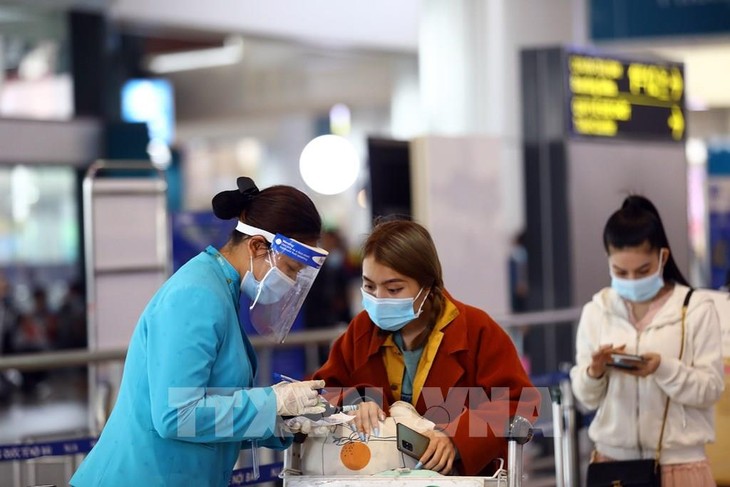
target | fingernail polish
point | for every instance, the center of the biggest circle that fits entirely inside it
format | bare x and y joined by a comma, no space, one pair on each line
377,432
362,436
418,466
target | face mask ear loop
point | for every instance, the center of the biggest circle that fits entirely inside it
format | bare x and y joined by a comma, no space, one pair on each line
258,287
270,259
660,271
420,308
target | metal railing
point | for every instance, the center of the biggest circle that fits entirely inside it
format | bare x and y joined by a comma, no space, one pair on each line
309,338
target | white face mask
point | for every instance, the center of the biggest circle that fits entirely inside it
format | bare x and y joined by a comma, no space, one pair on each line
271,289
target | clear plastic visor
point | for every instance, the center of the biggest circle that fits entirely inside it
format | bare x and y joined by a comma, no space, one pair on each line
281,292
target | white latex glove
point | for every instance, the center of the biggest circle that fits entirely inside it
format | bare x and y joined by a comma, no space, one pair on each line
297,398
307,427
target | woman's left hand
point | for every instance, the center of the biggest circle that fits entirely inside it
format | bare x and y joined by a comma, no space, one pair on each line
440,454
367,419
647,367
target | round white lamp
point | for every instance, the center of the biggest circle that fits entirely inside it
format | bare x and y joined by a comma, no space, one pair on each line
329,164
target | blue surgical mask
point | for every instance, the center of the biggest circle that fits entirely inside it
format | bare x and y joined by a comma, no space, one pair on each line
391,314
271,289
639,290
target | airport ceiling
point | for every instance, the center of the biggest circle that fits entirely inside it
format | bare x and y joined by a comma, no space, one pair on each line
393,26
343,26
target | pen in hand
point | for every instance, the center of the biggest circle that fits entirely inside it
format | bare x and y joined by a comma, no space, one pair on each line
330,409
285,378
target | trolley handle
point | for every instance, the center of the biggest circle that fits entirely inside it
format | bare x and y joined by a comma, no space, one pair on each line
518,432
121,165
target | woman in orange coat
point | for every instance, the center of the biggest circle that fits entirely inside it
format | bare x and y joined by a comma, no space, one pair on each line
415,343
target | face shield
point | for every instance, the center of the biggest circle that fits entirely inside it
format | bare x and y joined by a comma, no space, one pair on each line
278,297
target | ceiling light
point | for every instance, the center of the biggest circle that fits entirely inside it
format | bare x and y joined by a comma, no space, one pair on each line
230,53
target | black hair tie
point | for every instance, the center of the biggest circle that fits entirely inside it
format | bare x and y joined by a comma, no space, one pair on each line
247,188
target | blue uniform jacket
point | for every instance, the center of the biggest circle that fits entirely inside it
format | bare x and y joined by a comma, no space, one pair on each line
183,411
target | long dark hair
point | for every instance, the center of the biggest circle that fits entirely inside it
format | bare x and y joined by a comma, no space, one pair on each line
276,209
636,222
407,248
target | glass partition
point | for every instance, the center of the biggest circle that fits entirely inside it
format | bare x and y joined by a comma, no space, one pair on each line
35,74
39,230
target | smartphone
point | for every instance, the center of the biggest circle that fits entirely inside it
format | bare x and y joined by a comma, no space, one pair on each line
411,442
625,361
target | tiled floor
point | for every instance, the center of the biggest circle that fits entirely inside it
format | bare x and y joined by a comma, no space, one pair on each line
55,409
56,405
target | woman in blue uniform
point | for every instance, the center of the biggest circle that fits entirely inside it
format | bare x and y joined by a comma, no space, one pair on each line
186,404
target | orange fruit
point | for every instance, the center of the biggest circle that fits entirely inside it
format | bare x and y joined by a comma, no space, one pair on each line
355,455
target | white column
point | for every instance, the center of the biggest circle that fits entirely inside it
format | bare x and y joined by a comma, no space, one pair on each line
406,118
469,72
467,170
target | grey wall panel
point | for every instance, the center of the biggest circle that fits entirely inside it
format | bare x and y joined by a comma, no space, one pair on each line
455,184
601,174
74,142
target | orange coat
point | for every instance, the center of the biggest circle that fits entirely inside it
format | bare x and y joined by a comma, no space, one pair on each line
466,356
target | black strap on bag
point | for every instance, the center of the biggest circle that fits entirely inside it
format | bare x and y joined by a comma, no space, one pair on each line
646,473
685,305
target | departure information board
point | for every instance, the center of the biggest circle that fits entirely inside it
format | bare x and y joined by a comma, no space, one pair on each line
616,98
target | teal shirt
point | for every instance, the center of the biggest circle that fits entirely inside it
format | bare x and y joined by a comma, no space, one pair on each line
410,360
185,406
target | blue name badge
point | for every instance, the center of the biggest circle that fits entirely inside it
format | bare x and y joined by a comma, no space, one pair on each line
311,256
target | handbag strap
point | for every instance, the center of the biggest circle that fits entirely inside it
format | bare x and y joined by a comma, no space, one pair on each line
685,305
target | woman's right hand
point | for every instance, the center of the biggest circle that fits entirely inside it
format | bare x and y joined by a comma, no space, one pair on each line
367,418
600,358
297,398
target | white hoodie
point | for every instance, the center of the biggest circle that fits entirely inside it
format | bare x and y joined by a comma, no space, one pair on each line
630,408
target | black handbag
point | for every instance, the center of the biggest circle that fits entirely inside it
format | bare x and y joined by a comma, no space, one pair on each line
625,473
635,473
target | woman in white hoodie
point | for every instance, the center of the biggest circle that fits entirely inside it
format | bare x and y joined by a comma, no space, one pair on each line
641,314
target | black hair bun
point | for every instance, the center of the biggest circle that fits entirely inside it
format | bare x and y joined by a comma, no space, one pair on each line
227,205
230,204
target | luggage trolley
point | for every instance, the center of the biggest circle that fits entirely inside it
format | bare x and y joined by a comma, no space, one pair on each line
518,431
127,257
565,430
